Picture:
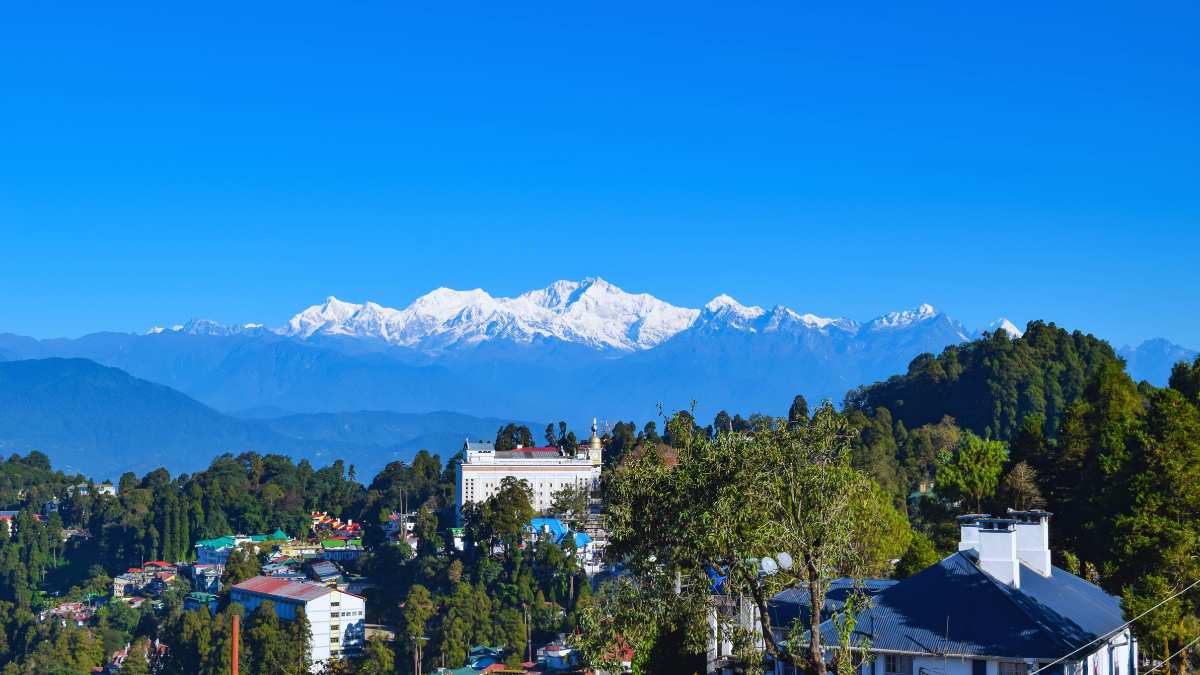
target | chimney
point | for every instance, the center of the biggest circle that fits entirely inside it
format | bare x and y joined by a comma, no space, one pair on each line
968,531
998,550
237,638
1033,539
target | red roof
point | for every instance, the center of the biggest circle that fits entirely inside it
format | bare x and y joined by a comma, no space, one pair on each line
283,588
158,563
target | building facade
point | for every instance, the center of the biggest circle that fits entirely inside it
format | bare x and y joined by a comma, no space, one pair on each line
546,470
336,619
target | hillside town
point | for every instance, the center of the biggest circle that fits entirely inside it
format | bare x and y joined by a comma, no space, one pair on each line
995,606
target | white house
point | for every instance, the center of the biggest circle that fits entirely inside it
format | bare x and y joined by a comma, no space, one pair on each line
546,470
337,619
995,607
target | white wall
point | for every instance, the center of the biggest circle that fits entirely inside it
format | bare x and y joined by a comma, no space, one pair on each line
350,620
477,482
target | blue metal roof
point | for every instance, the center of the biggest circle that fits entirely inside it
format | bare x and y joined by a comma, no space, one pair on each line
954,608
555,526
558,531
793,603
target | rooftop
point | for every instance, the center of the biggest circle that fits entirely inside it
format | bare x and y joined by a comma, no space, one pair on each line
1044,618
529,453
283,588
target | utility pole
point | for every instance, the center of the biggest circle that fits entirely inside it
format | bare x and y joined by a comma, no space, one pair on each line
528,634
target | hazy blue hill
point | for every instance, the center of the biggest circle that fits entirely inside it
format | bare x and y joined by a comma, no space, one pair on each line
1152,360
102,421
384,428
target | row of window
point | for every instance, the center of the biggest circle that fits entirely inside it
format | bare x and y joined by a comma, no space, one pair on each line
899,664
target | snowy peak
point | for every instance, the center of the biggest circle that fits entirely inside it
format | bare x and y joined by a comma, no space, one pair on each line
316,317
592,312
1006,326
723,312
726,311
904,319
206,327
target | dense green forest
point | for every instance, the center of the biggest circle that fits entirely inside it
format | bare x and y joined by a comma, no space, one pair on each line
1050,419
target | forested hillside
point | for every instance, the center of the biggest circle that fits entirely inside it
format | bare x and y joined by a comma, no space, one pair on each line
990,384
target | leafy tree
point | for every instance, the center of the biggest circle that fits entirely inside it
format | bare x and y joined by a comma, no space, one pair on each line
798,411
426,530
571,503
650,434
135,660
378,658
243,563
732,499
621,440
418,610
920,555
1185,379
513,435
502,517
974,469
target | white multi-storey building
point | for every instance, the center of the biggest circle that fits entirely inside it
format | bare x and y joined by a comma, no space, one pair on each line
336,619
546,470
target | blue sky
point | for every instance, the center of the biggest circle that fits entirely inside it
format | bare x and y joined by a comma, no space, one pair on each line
242,161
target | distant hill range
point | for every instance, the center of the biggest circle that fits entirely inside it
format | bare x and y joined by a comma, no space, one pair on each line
101,421
572,350
568,351
1152,360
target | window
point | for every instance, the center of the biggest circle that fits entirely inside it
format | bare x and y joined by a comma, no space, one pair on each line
898,664
333,639
1012,668
335,604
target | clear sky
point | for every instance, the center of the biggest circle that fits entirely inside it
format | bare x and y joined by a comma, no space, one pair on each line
240,161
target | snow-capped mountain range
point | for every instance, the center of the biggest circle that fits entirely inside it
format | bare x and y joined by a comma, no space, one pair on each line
571,350
591,312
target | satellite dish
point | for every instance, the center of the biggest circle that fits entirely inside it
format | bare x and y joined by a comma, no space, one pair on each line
768,565
785,560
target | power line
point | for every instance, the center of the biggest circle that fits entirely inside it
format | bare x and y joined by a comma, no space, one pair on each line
1168,659
1122,626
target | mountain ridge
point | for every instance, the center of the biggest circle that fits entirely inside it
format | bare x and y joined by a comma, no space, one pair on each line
592,312
102,421
571,350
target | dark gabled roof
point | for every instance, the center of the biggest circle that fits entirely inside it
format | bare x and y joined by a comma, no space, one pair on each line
954,608
793,604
